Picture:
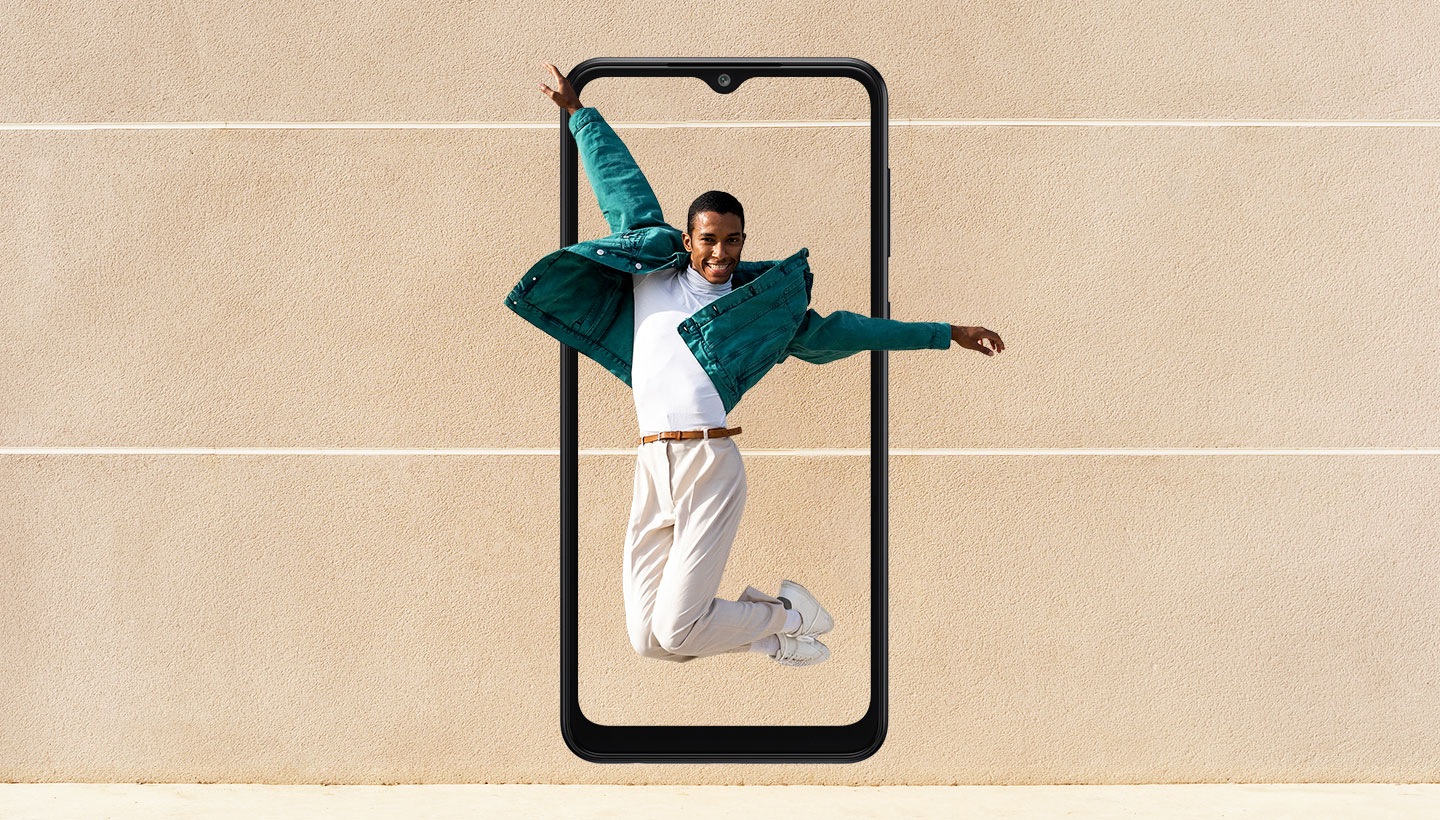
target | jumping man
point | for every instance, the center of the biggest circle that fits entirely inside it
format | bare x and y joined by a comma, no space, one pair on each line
690,328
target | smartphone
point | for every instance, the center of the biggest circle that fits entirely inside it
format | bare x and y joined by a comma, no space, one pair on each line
802,144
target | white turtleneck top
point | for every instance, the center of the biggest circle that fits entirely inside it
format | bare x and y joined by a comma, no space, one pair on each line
672,390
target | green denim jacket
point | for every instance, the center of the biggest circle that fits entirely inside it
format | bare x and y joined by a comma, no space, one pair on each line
583,294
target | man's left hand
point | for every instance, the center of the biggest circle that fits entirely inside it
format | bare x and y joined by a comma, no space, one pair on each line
972,338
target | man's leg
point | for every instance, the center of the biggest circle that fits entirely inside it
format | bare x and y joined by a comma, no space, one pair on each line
648,539
709,490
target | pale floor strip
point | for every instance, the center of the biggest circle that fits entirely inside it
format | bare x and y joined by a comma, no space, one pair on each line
452,802
552,125
819,452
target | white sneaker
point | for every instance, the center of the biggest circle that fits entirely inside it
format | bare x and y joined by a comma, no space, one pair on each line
814,620
804,651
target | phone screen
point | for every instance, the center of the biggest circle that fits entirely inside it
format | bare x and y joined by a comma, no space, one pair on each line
796,153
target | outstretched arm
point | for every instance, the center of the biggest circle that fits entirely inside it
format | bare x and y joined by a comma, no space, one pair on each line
624,195
822,339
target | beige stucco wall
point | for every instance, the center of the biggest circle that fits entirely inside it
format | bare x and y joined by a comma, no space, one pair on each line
319,611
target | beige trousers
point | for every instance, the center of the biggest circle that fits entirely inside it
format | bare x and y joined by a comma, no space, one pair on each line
688,498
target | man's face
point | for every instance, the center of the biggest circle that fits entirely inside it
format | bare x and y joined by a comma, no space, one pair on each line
715,240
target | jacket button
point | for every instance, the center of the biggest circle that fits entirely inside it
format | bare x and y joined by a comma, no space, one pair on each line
600,252
637,266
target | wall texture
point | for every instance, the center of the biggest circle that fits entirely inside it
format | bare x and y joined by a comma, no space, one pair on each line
1257,281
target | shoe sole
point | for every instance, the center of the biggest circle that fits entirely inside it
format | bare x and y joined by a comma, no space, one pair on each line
825,656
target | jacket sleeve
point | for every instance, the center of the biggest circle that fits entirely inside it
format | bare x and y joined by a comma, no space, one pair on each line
821,339
624,194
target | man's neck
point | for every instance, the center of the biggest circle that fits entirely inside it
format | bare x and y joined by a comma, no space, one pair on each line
690,269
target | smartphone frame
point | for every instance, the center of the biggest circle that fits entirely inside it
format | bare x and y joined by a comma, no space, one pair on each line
741,743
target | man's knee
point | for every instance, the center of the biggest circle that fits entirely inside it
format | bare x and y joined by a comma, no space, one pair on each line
672,639
653,649
646,646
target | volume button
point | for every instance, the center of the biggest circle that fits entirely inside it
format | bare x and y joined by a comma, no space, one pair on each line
889,223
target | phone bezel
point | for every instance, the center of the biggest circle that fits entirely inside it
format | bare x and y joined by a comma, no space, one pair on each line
853,742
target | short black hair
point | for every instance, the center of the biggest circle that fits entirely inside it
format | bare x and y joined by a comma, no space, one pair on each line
717,201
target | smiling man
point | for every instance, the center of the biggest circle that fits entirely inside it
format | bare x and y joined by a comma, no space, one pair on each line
690,327
717,225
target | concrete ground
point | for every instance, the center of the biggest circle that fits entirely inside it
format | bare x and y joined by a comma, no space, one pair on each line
443,802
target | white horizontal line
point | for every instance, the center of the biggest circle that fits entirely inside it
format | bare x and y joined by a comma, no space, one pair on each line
554,125
1185,123
820,452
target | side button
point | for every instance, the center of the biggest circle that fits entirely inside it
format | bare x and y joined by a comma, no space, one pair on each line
889,222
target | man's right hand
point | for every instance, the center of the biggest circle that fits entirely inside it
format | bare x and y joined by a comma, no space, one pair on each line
565,97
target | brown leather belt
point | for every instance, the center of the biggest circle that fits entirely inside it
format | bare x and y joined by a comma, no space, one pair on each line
713,432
